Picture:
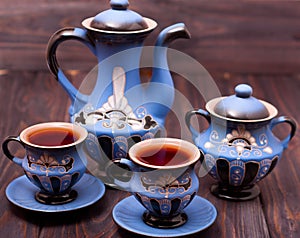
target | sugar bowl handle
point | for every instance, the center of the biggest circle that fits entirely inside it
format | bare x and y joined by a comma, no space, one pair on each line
70,33
188,117
7,152
290,122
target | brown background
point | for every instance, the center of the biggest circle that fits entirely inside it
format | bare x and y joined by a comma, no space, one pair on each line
231,36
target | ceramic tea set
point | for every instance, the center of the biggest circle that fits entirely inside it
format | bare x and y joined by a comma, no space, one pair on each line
121,117
111,113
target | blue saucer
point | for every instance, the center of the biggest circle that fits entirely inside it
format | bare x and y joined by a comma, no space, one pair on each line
21,192
128,215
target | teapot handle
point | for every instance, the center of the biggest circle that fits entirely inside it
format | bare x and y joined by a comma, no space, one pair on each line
56,39
7,152
292,124
188,117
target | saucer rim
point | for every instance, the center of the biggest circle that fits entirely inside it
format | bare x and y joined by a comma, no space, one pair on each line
65,207
163,232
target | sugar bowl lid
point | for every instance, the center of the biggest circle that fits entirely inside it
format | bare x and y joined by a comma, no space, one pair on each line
241,106
119,18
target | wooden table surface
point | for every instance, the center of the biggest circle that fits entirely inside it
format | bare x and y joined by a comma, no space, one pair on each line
255,42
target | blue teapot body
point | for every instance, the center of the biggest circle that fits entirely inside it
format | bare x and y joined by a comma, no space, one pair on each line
120,110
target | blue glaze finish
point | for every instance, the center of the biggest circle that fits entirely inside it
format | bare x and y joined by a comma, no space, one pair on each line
119,4
128,213
239,153
119,107
22,194
164,193
52,169
54,172
177,195
243,91
163,190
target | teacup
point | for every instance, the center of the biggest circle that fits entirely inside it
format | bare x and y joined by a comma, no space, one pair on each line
164,180
54,160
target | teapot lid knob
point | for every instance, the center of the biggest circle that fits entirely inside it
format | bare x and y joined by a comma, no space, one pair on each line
119,18
243,91
119,4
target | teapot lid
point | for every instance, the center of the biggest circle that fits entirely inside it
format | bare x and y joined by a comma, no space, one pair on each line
119,18
242,105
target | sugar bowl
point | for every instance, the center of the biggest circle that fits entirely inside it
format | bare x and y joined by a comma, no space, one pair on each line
239,145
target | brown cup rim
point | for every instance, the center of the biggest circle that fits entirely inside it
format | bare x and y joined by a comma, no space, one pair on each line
80,132
193,150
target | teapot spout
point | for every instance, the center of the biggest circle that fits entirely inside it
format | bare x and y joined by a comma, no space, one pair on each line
166,36
161,77
161,72
172,33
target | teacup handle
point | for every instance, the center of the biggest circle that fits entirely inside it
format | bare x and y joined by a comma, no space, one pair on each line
56,39
290,122
132,167
7,152
188,117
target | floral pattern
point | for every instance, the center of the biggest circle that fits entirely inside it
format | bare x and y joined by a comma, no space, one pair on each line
167,184
240,158
238,172
116,113
239,143
165,207
47,163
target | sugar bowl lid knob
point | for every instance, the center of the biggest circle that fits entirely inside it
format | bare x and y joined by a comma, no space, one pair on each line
243,91
119,4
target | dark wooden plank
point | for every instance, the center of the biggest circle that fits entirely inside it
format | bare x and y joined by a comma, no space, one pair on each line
253,36
281,188
22,105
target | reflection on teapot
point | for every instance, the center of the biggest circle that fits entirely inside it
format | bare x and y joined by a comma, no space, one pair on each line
120,110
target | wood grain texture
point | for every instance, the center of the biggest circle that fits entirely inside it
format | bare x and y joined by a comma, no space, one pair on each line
252,36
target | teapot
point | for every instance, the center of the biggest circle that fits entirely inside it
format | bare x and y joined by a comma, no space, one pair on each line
120,110
239,146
